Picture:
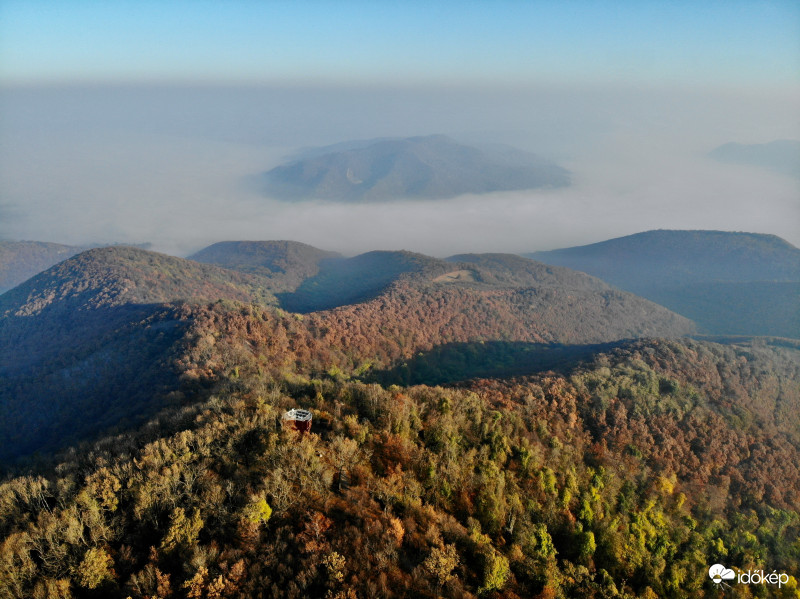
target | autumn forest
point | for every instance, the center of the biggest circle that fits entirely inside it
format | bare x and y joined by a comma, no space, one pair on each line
482,427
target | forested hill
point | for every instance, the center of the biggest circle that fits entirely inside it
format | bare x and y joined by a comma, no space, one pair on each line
83,345
90,294
118,275
20,260
729,283
410,318
624,479
111,323
398,303
361,278
509,270
429,167
285,263
667,257
320,281
308,279
624,474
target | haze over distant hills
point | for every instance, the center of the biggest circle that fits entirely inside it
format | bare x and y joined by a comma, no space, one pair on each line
782,155
427,167
728,283
20,260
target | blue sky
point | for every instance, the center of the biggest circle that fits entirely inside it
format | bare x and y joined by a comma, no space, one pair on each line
716,43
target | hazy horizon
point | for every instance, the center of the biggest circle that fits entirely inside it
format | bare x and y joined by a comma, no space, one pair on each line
141,123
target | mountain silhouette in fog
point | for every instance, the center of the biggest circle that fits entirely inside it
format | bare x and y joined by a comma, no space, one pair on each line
782,156
429,167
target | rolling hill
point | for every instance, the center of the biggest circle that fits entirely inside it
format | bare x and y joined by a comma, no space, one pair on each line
83,345
100,289
427,167
285,263
109,335
358,279
728,283
342,282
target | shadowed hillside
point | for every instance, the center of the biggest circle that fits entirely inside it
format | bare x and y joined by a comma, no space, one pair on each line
352,280
84,345
286,264
457,362
746,308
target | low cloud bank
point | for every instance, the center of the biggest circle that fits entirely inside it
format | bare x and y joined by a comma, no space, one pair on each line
119,168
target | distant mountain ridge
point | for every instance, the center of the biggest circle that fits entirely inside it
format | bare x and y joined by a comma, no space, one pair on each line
684,257
729,283
428,167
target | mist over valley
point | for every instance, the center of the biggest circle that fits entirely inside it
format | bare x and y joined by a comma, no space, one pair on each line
173,165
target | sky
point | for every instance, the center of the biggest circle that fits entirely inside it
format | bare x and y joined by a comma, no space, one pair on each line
725,42
140,121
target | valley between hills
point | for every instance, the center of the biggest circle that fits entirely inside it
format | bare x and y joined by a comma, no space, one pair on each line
603,421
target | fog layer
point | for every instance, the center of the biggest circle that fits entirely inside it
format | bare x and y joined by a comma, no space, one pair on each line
169,165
